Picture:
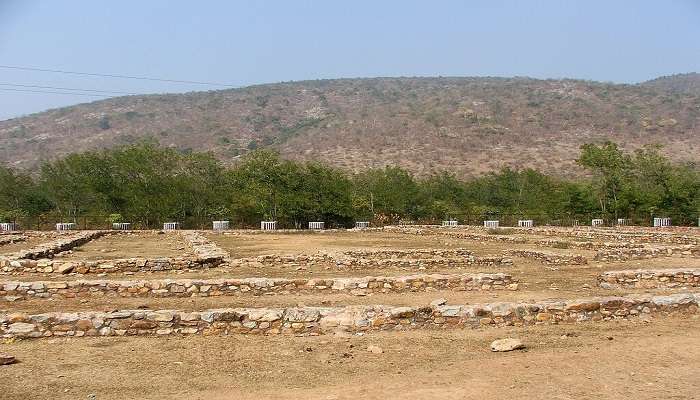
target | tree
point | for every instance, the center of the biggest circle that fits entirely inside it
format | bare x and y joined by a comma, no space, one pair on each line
609,166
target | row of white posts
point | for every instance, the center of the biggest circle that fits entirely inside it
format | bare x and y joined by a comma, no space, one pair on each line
8,227
272,225
65,226
491,224
220,225
317,225
662,222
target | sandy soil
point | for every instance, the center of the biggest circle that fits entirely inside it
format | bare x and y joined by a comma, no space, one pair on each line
146,245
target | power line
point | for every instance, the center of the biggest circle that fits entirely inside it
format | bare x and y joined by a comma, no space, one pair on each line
144,78
51,92
65,88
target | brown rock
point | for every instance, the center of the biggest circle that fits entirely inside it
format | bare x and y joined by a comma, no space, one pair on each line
6,359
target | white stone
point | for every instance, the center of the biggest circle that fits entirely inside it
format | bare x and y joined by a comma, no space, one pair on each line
507,344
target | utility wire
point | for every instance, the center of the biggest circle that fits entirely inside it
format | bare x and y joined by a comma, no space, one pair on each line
144,78
65,88
52,92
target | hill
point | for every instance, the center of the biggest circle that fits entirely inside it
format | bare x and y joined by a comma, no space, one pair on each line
679,83
464,125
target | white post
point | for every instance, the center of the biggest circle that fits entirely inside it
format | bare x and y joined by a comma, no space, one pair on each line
317,225
491,224
661,222
362,224
220,225
8,227
597,222
268,225
171,226
525,223
65,226
121,226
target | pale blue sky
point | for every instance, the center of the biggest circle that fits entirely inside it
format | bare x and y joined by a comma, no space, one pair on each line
250,42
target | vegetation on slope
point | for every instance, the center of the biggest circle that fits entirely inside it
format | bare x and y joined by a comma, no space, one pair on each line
468,126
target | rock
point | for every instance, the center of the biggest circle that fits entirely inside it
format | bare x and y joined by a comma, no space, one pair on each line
65,268
438,302
6,359
20,328
507,344
375,349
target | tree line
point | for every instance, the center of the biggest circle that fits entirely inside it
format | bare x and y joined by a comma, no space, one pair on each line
147,185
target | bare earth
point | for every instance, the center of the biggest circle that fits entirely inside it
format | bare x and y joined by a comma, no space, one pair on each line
659,359
146,245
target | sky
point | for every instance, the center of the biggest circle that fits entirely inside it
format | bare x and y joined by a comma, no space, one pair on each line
238,43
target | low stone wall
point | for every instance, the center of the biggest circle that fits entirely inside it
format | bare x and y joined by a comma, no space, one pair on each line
319,320
205,250
13,291
412,258
650,278
119,265
641,253
483,238
47,250
204,254
9,239
549,258
629,234
561,244
427,263
407,253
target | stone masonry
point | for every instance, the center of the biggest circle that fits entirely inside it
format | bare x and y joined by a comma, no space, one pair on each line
651,278
254,286
320,320
641,253
549,258
204,254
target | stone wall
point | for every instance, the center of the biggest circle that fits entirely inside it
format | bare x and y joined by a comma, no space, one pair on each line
319,320
47,250
427,263
411,258
651,278
13,291
629,234
9,239
549,258
407,253
205,250
119,265
641,253
562,244
204,254
584,245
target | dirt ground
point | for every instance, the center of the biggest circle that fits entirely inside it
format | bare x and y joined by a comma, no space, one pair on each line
609,360
622,360
145,245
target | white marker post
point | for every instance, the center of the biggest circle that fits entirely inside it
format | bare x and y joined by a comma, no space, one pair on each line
268,225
